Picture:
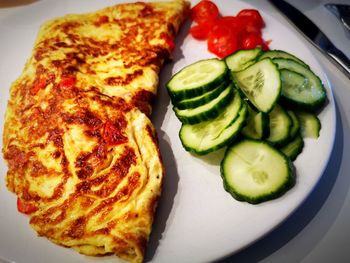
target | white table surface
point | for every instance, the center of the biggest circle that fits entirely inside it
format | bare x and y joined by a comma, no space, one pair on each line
319,231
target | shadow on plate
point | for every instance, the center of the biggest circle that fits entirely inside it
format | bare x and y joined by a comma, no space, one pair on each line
14,3
171,178
294,224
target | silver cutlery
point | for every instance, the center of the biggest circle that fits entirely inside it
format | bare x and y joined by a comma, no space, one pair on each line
342,12
314,35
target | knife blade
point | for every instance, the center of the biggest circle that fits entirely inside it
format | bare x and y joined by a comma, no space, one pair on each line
314,35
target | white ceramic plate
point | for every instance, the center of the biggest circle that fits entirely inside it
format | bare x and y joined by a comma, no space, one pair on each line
197,221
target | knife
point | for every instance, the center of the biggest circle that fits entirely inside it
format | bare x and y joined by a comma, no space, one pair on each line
314,35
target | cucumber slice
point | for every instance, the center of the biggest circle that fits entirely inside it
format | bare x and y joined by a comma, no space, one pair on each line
207,111
295,128
294,147
197,79
257,126
280,125
310,125
202,99
242,59
212,135
281,54
260,83
306,93
254,171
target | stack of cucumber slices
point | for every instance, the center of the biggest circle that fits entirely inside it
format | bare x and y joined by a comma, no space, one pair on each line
260,105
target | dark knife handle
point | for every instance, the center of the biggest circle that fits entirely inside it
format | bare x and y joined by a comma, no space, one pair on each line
340,60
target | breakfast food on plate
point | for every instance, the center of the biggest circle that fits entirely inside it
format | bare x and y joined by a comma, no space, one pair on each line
227,34
81,150
266,105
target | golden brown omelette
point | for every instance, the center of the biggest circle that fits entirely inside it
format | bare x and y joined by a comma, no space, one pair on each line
82,153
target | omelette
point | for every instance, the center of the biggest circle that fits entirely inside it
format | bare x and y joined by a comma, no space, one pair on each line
82,153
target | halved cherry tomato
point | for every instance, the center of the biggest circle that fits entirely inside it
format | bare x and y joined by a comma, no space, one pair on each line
227,34
25,208
251,41
232,22
222,41
201,31
204,11
253,16
239,25
248,25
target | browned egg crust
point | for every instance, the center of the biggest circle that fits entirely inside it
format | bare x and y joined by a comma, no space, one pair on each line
82,154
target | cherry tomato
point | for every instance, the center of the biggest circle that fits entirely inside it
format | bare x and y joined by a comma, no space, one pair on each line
232,22
249,26
222,41
25,208
227,34
253,15
240,25
204,11
201,31
251,41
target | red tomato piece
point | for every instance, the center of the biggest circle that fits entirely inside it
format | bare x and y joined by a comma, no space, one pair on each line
222,41
25,208
39,84
201,31
239,25
112,135
233,23
67,82
248,26
266,44
251,41
253,15
103,19
204,11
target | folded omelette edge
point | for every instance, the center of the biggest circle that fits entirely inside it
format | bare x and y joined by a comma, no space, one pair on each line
82,153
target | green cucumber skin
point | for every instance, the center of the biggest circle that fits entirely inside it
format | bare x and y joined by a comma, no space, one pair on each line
295,128
186,94
286,138
311,130
293,103
241,118
293,148
298,105
246,132
289,183
235,76
190,93
196,101
209,114
256,52
266,127
290,104
276,53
